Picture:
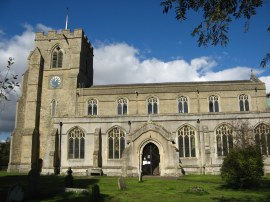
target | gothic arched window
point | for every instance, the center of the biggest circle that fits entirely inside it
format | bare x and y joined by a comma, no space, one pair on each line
76,144
57,58
92,107
116,143
262,138
243,102
53,107
186,141
182,104
213,103
122,106
152,105
224,138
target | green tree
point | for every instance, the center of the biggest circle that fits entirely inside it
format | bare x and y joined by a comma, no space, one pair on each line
4,153
8,81
243,166
216,18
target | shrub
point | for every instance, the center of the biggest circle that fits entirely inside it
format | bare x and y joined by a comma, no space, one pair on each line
243,167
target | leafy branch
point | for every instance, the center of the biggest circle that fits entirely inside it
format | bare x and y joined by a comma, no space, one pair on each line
8,81
217,16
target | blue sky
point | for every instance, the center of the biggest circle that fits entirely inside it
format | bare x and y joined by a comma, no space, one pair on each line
135,40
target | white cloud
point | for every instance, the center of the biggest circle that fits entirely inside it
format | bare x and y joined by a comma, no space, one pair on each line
17,47
121,64
118,63
266,80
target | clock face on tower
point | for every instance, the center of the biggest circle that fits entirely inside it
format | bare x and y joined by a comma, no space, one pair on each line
55,81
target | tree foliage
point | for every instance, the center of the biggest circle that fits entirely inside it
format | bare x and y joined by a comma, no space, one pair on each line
4,153
243,166
217,16
8,81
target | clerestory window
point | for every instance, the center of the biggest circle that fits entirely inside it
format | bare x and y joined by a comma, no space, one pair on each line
152,105
182,104
243,102
122,106
213,103
92,107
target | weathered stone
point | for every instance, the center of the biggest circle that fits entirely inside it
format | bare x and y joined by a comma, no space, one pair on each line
121,183
16,193
95,192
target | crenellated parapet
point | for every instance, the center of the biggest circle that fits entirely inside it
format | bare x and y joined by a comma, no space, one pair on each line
63,34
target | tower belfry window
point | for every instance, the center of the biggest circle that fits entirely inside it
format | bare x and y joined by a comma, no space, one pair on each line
57,58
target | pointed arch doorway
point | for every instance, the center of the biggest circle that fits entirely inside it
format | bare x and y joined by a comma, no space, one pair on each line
150,160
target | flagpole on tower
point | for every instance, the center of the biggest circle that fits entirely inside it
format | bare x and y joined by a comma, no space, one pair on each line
67,19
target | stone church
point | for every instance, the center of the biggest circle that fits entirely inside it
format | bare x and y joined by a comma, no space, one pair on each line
63,120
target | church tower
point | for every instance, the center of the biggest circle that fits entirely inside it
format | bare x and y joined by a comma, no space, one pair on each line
60,63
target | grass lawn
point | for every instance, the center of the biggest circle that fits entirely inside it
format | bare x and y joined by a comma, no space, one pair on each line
151,189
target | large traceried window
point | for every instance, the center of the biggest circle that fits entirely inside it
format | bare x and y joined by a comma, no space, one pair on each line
224,138
262,138
213,103
152,105
186,141
182,104
76,143
92,107
53,107
57,58
122,106
116,143
243,102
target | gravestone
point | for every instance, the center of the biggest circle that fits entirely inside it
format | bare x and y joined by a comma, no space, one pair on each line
33,182
69,178
121,183
95,193
16,193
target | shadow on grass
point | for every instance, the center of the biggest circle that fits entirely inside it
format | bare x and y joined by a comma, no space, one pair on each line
262,189
49,187
246,199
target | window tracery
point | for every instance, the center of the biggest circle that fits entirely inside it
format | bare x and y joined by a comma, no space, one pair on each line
116,143
152,105
186,141
76,144
57,58
182,104
213,103
224,139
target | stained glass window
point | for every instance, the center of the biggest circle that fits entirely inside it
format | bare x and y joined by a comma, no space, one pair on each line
152,105
262,138
243,103
122,106
182,104
92,107
186,141
213,104
224,138
116,143
76,144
